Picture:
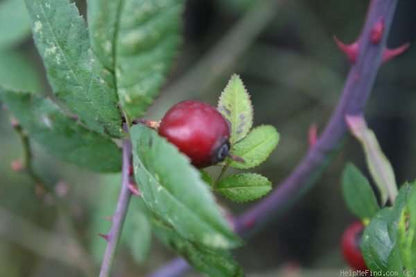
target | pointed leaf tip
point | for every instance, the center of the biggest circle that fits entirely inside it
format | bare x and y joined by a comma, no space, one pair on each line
379,165
351,50
235,105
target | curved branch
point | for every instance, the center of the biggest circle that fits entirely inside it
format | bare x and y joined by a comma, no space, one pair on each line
356,91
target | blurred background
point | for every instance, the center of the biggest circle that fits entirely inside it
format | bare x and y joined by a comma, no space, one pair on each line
285,54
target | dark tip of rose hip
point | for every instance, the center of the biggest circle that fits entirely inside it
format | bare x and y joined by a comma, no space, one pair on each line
222,152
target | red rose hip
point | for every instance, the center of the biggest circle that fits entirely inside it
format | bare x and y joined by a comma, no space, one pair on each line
198,130
351,246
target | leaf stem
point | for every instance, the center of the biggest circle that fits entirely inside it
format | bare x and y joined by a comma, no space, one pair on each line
223,170
120,212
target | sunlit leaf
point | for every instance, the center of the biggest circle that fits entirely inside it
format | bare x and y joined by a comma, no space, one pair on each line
235,106
256,147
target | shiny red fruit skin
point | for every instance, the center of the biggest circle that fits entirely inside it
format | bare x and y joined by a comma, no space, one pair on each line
198,130
350,246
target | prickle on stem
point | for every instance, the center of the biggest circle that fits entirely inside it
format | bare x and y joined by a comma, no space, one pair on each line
351,50
390,54
377,32
134,189
17,166
312,135
104,236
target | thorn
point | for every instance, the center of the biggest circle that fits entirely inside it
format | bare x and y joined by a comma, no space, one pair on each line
390,54
351,50
61,189
376,33
104,236
17,166
249,223
236,158
134,189
312,135
14,122
131,170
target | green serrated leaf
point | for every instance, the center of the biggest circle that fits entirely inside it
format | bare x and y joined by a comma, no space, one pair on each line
380,167
213,262
358,193
379,245
235,105
256,147
136,40
174,191
60,135
62,40
14,23
13,66
244,187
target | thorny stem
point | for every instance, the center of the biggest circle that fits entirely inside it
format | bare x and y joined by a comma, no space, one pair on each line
120,213
356,91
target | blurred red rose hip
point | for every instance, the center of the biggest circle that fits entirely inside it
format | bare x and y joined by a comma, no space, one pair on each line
198,130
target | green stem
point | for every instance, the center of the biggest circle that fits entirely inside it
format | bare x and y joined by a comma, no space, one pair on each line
223,170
